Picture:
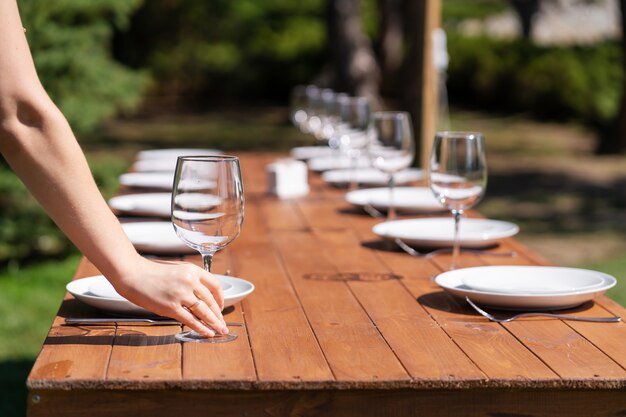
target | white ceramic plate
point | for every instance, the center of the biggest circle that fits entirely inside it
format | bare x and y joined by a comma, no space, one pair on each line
371,176
156,238
563,287
439,231
159,204
327,163
160,180
408,199
113,302
164,160
308,152
167,165
149,204
174,153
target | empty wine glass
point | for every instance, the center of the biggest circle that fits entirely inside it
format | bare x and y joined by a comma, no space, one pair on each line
392,149
354,136
207,211
458,175
298,106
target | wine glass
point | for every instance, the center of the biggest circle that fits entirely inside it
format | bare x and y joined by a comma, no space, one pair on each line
392,149
207,211
354,136
297,106
458,175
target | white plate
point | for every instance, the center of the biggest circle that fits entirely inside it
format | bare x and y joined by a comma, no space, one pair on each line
164,160
371,176
159,204
102,288
149,204
326,163
174,153
167,165
81,289
308,152
156,238
592,285
439,231
408,199
160,180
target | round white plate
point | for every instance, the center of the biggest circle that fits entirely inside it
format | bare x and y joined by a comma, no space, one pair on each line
156,238
326,163
408,199
81,289
166,165
102,288
308,152
576,286
160,180
439,231
148,204
159,204
371,176
174,153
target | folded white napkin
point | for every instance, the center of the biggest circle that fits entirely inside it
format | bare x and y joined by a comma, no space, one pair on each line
287,178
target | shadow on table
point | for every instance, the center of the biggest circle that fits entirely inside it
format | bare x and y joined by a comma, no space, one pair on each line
443,301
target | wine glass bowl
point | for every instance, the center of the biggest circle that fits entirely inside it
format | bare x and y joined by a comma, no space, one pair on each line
354,135
392,149
458,175
207,209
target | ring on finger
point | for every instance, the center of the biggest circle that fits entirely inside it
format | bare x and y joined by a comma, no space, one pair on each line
194,305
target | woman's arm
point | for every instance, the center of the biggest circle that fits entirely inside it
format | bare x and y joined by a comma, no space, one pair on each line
38,143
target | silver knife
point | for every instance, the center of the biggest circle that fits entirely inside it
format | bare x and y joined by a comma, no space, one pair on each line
104,321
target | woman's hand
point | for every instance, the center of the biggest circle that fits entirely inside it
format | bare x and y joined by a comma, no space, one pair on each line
179,290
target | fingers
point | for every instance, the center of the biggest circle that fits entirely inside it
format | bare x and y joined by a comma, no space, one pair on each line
206,296
211,317
193,322
215,287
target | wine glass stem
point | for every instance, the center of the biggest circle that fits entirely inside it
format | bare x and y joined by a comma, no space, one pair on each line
391,211
456,244
354,160
207,261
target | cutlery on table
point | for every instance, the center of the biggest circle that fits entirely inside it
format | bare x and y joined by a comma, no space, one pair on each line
413,252
491,317
131,321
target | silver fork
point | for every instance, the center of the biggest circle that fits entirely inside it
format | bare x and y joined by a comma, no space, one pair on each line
613,319
413,252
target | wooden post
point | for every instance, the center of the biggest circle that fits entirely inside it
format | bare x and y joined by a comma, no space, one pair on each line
430,102
420,76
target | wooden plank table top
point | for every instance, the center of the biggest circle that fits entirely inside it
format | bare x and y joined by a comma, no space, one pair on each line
392,343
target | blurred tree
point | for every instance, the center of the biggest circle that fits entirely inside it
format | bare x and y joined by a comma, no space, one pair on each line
355,68
70,43
206,52
390,43
526,11
614,139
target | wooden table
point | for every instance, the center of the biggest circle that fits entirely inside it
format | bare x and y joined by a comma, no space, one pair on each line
385,347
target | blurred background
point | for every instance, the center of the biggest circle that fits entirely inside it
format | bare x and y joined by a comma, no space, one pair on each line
543,79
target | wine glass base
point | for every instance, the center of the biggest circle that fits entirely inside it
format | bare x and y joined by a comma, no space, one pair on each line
193,336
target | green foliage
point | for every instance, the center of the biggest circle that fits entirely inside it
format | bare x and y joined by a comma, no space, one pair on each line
577,83
226,48
26,231
70,43
454,11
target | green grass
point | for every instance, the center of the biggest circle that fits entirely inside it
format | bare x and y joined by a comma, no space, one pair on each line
29,298
616,267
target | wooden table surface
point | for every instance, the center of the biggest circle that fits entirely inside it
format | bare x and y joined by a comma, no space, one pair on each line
310,346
